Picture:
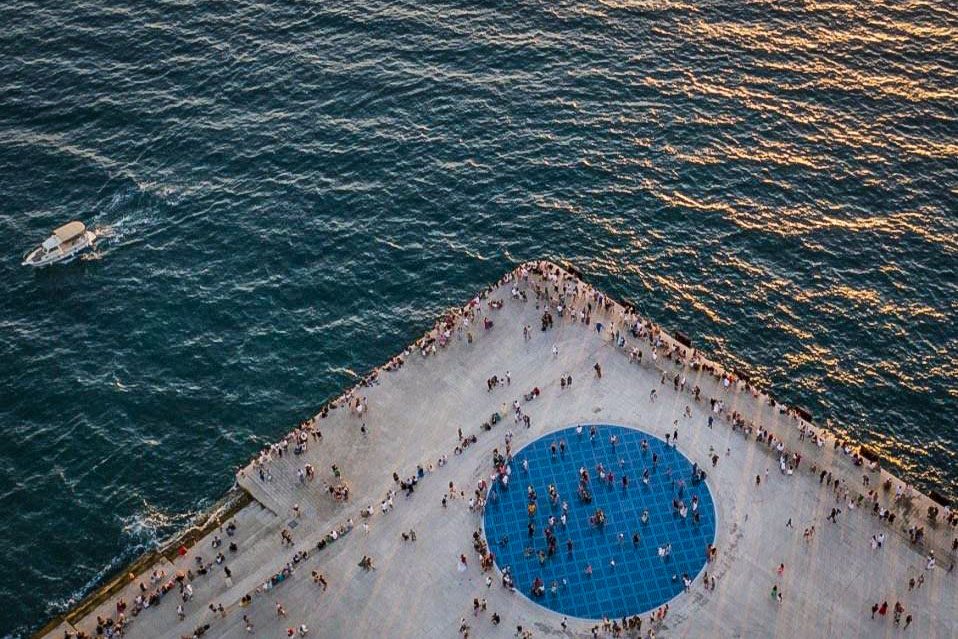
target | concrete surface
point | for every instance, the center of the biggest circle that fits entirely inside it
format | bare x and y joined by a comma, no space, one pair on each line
415,590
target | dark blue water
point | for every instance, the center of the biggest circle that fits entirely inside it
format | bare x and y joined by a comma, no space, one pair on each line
298,188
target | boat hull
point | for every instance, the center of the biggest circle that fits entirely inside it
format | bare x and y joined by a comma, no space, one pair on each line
39,258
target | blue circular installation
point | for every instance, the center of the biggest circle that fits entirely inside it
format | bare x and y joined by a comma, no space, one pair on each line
641,578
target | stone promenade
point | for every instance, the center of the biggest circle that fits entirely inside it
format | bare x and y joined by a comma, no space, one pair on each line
415,590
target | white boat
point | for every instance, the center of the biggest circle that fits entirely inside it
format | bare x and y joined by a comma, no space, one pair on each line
66,243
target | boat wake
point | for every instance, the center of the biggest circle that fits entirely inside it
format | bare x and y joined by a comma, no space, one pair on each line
96,253
104,232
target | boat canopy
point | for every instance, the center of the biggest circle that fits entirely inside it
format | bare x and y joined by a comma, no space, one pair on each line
69,231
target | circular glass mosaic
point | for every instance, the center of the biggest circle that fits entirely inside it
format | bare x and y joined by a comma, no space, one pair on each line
638,520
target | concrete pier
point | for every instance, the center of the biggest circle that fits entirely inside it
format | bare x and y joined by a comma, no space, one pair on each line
412,416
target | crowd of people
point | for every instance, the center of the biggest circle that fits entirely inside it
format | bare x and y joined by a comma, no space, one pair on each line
561,297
